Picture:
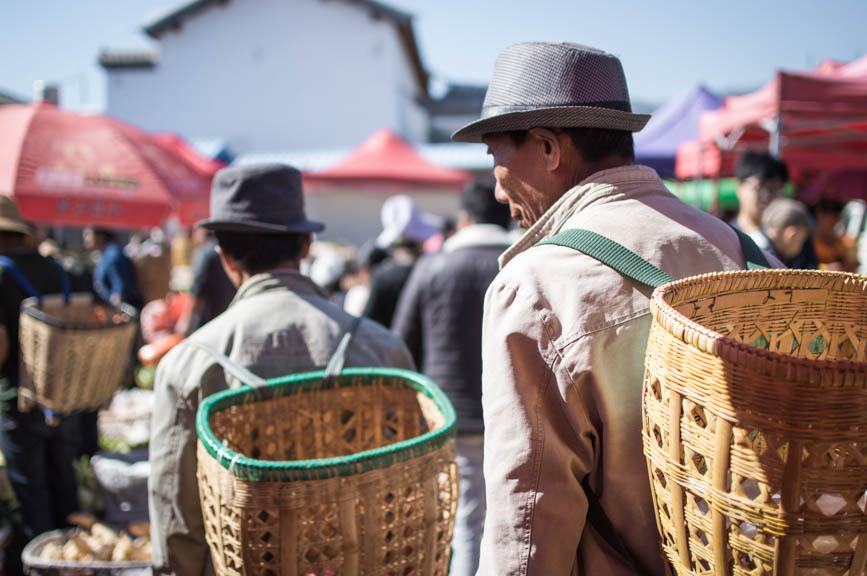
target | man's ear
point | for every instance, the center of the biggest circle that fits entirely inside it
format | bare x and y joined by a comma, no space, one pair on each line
308,241
230,265
789,233
549,142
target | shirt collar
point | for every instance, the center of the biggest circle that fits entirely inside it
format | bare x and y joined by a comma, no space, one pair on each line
281,278
477,235
594,189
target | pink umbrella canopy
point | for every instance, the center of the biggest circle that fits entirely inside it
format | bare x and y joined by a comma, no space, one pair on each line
73,169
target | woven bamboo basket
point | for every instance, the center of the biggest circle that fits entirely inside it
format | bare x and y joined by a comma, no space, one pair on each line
73,356
755,422
353,475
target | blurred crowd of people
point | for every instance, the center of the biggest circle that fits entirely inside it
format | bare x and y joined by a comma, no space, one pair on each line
824,236
423,276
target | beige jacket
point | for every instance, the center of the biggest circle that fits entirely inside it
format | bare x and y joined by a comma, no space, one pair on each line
279,323
564,342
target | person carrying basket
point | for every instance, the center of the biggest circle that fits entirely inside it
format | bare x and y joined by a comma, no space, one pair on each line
39,446
279,323
565,334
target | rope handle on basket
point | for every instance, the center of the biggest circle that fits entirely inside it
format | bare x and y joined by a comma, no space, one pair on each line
338,359
25,284
243,375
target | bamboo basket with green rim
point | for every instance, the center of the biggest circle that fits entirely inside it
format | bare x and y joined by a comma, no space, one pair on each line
352,474
755,422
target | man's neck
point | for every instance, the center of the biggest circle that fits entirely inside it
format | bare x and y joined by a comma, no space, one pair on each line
585,171
747,225
293,265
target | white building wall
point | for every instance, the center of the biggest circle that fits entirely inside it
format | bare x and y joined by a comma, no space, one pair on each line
275,74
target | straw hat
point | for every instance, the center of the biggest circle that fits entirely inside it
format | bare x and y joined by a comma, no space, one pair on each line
10,217
554,85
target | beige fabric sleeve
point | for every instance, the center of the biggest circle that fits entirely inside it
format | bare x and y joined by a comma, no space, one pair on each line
535,457
177,528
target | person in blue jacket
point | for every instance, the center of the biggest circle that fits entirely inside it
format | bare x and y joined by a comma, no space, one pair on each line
114,278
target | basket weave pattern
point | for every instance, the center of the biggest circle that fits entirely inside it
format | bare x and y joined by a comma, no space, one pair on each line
755,423
73,356
332,516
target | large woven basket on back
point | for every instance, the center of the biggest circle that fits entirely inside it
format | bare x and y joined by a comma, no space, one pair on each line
755,422
73,356
353,475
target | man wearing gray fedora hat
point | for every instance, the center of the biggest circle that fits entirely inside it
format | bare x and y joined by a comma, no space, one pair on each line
564,333
279,323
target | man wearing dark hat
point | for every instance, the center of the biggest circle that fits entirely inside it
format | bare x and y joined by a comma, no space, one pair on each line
279,323
564,335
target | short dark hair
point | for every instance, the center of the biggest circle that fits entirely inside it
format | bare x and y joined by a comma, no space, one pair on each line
479,203
762,165
12,237
593,144
106,234
257,253
826,204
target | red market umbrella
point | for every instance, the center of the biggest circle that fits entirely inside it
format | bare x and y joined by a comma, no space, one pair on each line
191,191
385,157
72,169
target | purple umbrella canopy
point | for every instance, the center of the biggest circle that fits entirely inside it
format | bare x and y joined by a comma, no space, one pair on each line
672,123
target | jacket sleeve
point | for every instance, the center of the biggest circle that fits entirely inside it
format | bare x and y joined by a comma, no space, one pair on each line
535,458
407,316
177,527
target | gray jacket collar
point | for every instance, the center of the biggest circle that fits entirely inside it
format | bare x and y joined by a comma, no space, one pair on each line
281,278
477,235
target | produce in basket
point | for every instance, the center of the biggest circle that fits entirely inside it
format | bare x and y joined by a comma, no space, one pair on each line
96,542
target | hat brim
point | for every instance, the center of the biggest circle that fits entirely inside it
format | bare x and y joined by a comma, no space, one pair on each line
13,225
261,227
552,117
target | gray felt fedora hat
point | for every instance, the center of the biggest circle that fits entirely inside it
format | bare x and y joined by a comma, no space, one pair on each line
260,198
554,85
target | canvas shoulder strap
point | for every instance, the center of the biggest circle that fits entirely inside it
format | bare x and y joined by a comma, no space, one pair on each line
632,265
611,254
752,253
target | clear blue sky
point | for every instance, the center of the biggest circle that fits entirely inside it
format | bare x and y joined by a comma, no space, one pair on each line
665,46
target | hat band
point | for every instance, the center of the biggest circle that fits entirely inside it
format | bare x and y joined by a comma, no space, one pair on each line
489,111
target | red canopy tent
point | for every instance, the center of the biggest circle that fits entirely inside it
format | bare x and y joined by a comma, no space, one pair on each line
191,195
817,121
349,195
385,157
73,169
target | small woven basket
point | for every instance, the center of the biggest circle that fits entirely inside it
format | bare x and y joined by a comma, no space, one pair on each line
351,475
73,356
755,422
35,565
